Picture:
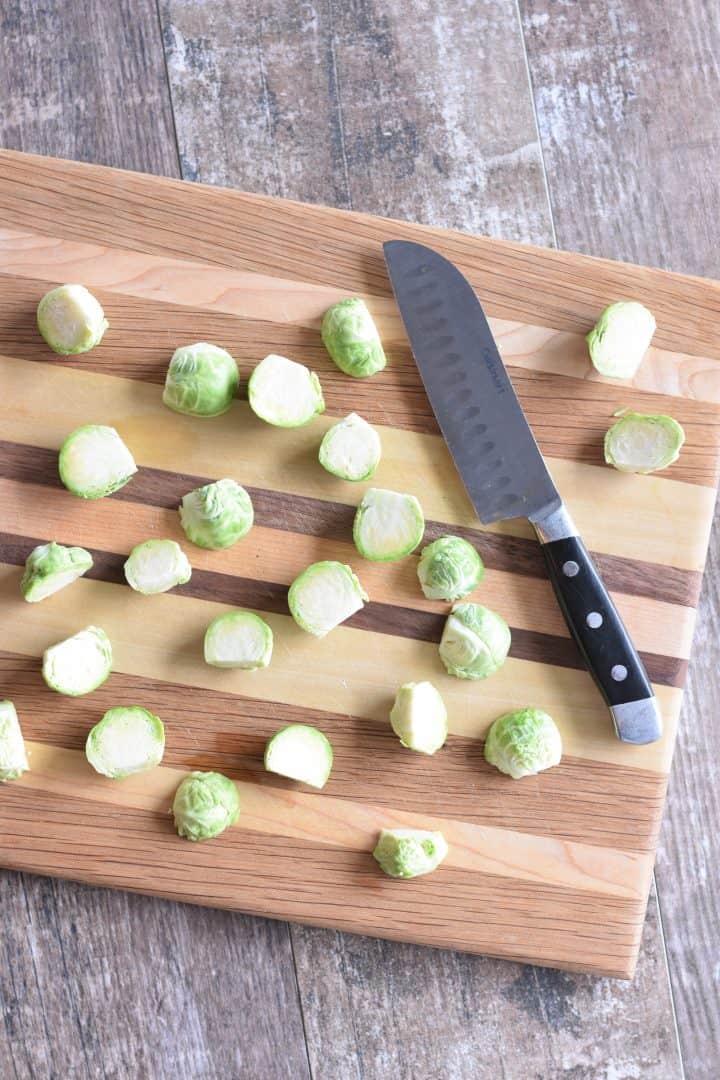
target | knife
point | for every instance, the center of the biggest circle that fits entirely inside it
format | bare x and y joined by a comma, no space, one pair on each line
504,472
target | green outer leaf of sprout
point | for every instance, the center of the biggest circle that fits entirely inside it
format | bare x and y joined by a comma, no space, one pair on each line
350,336
202,380
217,515
71,320
324,595
205,804
284,393
300,752
94,461
387,525
128,739
643,443
13,758
408,853
475,641
419,717
351,449
620,338
51,567
238,639
61,662
154,566
449,569
523,743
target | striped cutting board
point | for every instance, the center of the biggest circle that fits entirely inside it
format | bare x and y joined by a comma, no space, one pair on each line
554,869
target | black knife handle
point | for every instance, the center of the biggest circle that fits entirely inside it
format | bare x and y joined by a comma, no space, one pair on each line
600,633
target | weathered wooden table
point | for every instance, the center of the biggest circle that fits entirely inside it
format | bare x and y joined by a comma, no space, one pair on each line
592,125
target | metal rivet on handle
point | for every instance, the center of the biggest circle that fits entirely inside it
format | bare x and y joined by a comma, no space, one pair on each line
619,672
594,620
570,568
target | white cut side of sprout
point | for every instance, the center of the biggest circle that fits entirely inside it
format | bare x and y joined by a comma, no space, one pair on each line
79,664
300,752
127,740
71,320
217,515
419,717
50,567
351,449
620,339
641,443
238,639
13,758
94,461
284,393
409,853
523,743
201,380
387,525
324,595
156,566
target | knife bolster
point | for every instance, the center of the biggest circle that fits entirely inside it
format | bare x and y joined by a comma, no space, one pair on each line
554,525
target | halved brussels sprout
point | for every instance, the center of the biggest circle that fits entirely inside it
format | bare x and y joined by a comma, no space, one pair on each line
50,567
302,753
284,393
217,515
127,740
620,339
205,805
238,639
79,664
156,566
71,320
94,461
351,338
324,595
449,569
351,449
523,743
387,525
641,443
13,759
419,717
475,641
202,380
408,853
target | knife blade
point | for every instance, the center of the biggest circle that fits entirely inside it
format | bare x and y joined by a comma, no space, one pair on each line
504,472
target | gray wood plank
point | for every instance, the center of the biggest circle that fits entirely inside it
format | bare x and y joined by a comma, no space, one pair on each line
626,93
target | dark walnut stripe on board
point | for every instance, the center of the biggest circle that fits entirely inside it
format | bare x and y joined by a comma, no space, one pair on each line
333,521
594,802
375,617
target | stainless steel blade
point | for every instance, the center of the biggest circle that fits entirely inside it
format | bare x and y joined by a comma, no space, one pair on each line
468,387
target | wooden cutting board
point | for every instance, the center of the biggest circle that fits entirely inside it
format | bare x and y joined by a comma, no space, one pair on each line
553,869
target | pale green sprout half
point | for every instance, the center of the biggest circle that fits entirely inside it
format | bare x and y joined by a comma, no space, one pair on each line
351,449
449,569
71,320
324,595
50,567
205,804
79,664
387,525
620,339
13,758
202,380
408,853
217,515
154,566
641,443
94,461
351,338
523,743
127,740
238,639
284,393
475,641
300,752
419,717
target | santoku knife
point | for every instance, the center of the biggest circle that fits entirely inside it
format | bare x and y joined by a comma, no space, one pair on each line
504,472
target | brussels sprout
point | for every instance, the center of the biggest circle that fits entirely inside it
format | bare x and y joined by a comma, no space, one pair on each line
205,804
302,753
523,743
351,449
79,664
156,566
323,596
94,461
71,320
620,338
13,759
217,515
50,567
639,443
127,740
202,380
238,639
351,338
475,641
284,393
387,525
419,717
408,853
449,569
